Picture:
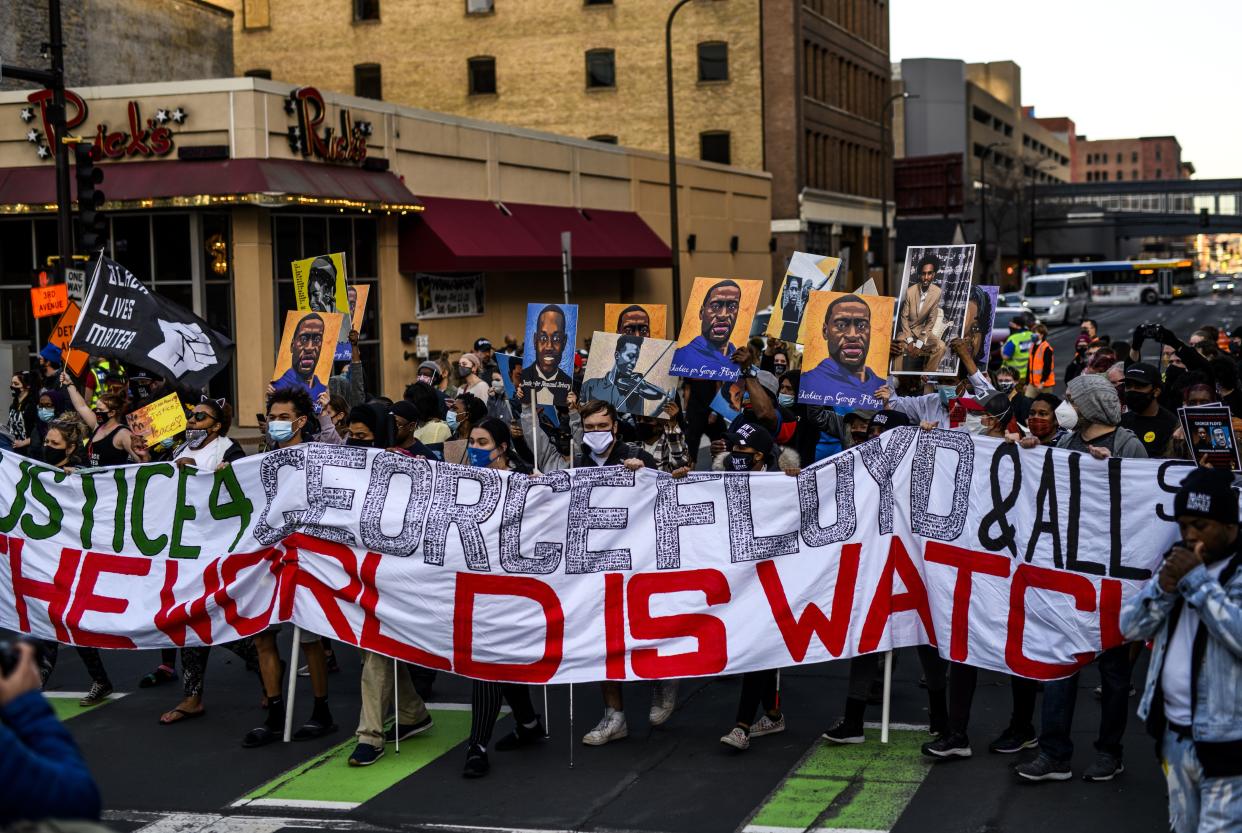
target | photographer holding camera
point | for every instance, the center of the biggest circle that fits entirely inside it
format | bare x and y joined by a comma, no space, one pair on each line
42,773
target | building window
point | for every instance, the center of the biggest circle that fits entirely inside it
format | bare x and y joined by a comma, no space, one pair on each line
601,69
1133,174
714,61
366,10
259,73
604,139
1134,156
256,14
367,82
1104,176
597,2
482,75
1157,153
480,6
1159,174
714,147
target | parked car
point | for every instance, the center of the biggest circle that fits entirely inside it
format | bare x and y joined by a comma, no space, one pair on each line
1000,324
1009,299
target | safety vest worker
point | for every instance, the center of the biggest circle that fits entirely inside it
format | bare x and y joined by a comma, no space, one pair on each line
1042,374
1016,350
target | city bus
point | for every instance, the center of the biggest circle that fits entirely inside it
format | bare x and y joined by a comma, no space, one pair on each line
1134,281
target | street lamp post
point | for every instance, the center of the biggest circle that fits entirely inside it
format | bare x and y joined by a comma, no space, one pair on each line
983,207
675,241
886,161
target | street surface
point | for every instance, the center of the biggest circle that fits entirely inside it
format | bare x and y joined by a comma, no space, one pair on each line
677,778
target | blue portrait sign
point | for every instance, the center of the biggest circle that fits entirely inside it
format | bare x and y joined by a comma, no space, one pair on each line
548,358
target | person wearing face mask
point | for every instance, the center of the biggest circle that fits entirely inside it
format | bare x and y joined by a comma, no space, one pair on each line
602,446
663,439
934,408
1008,383
1192,612
23,412
468,411
289,412
1097,429
429,425
751,449
62,449
1041,374
468,369
333,411
780,364
1152,424
110,442
207,445
1042,422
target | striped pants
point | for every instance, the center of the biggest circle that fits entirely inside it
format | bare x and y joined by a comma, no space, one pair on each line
485,708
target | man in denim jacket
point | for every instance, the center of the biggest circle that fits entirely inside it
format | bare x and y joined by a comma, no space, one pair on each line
1192,704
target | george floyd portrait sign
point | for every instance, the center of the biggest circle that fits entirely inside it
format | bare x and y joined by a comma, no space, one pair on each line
916,537
302,360
847,345
717,322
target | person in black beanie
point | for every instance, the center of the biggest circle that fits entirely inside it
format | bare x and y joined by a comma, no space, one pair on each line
1192,610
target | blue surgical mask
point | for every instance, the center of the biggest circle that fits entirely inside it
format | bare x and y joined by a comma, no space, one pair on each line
946,392
47,414
450,419
280,430
481,457
787,399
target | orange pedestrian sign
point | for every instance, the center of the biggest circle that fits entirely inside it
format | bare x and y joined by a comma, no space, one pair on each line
49,300
62,334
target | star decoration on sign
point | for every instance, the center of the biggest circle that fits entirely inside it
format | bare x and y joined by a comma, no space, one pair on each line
179,116
27,114
32,136
43,152
290,105
364,127
161,116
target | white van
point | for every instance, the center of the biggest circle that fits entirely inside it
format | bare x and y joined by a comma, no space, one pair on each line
1058,299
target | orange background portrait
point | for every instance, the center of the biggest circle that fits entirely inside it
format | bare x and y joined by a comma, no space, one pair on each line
658,313
816,349
690,325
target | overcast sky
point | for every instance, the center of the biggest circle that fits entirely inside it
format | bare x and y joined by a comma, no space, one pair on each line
1118,68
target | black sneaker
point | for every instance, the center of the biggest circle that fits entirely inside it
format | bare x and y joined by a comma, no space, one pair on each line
1103,768
1014,740
1043,768
365,754
843,732
476,763
521,736
954,745
401,731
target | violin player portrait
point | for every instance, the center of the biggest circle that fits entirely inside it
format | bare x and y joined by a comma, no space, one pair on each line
623,386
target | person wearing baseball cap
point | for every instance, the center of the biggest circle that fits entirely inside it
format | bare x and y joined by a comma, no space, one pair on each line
487,360
1192,610
882,421
1152,424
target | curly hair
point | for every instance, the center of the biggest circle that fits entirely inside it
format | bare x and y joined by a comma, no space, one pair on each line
72,428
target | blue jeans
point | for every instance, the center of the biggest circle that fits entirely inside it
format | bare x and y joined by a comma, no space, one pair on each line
1060,697
1198,804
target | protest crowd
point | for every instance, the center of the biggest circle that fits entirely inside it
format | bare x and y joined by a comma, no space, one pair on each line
531,405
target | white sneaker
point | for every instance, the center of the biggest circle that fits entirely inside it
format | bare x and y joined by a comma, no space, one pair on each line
737,738
767,726
611,727
663,701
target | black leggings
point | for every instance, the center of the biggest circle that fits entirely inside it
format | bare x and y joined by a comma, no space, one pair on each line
90,658
194,663
757,687
485,708
962,681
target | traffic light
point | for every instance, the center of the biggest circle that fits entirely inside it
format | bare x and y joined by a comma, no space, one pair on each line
93,233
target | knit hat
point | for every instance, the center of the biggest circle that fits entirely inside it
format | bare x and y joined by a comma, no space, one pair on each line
433,367
1207,493
1095,398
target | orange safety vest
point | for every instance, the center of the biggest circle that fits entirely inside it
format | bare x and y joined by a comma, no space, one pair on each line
1035,373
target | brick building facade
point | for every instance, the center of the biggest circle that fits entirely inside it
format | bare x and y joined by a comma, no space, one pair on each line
1115,160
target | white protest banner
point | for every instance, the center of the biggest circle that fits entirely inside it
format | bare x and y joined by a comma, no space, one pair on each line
1008,559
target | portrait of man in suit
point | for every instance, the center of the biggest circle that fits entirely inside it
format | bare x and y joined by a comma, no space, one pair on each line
922,347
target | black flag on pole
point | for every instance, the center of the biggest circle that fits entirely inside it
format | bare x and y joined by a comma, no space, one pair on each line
123,319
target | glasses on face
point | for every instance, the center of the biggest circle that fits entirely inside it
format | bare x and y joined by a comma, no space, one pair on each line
555,339
199,416
719,307
309,339
845,324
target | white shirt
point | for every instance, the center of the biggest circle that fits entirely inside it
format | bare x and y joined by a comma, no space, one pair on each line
209,457
1176,674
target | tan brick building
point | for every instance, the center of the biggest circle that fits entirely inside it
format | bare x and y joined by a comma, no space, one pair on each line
435,54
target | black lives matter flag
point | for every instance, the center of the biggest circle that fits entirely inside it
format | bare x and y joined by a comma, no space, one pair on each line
123,319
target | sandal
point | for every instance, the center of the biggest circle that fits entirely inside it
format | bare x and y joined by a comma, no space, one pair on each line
159,676
313,729
184,715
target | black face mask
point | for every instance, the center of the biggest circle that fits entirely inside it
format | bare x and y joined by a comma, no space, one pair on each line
1137,401
360,443
53,455
740,462
858,437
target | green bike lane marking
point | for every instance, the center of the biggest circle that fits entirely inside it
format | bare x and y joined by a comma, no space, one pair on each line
327,782
65,703
858,787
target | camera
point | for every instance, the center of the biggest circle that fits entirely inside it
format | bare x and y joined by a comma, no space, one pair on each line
10,653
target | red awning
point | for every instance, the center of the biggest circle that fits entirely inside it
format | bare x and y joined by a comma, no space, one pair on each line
454,235
260,179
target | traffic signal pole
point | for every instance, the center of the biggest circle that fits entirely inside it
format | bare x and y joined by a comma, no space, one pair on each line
54,80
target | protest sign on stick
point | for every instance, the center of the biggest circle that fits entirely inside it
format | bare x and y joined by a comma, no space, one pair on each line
1210,436
320,285
548,358
630,372
931,308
